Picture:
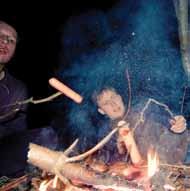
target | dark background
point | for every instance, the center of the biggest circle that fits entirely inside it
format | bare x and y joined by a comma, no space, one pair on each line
39,27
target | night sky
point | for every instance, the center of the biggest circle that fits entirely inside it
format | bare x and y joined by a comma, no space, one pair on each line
36,57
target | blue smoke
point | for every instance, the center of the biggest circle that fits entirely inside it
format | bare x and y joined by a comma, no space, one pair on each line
139,36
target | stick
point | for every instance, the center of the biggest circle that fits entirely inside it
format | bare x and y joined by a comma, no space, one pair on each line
150,100
14,183
63,89
94,149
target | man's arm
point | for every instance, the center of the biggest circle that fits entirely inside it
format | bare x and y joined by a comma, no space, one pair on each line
14,118
127,137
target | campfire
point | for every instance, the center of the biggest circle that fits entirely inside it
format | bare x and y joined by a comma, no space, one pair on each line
59,172
75,176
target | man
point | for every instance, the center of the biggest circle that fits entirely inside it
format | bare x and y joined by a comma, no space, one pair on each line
170,143
12,117
14,135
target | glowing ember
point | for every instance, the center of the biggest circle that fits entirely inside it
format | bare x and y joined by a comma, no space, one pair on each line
153,162
168,187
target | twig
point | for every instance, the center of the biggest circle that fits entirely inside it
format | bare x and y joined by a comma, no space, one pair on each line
175,166
70,148
27,101
129,94
170,165
47,99
14,183
12,112
95,148
183,99
31,100
150,100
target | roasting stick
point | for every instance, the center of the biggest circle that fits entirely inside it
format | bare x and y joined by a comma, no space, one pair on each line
65,90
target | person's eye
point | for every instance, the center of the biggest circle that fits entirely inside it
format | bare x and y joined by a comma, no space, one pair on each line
114,97
10,40
106,103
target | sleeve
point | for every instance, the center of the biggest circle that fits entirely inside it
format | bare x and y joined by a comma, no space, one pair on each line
14,120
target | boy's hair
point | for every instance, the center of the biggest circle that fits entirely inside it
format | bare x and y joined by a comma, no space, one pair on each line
97,94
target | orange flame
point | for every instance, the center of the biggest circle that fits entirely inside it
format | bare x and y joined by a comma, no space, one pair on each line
55,180
153,162
44,185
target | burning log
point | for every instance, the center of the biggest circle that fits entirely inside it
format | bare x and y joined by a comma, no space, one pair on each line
59,164
55,162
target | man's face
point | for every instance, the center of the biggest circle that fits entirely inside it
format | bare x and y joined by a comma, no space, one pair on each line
7,42
111,103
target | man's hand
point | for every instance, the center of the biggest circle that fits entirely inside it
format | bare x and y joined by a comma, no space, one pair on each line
127,138
124,127
178,124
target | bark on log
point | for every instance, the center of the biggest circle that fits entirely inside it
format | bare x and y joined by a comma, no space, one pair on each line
53,161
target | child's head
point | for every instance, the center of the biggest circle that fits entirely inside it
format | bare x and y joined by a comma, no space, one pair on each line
110,103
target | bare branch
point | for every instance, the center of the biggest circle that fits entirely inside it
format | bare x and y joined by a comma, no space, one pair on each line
31,100
94,149
50,98
70,148
150,100
129,95
12,112
175,166
183,99
27,101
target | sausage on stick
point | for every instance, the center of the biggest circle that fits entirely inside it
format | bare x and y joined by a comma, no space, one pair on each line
65,90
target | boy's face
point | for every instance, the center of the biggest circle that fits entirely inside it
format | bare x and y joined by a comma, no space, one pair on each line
7,42
111,104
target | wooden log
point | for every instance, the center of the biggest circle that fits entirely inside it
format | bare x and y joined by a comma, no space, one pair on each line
54,162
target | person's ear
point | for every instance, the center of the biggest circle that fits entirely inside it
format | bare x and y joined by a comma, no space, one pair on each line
101,111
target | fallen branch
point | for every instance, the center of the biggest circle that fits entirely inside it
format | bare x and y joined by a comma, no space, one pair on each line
150,100
55,163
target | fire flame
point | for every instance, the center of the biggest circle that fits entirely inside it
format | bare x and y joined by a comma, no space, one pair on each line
55,180
153,162
153,166
46,184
